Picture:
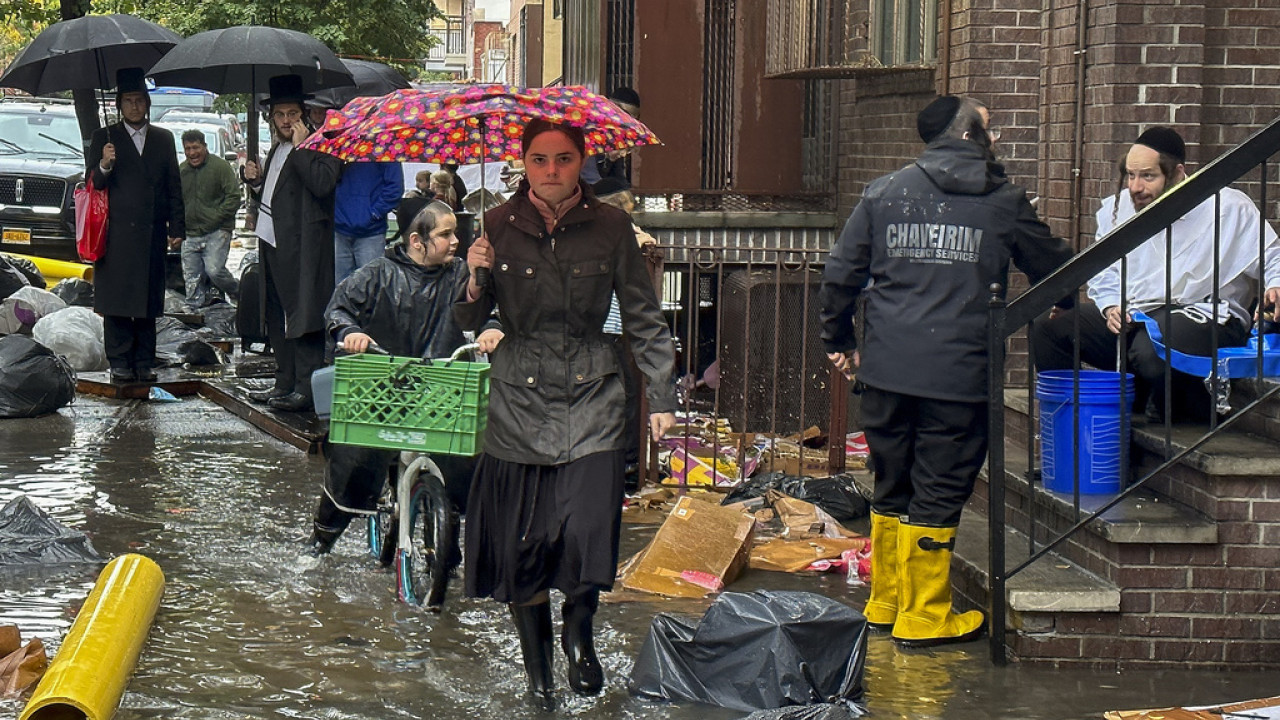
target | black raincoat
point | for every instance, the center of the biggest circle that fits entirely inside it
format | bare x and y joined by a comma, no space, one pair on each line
925,244
405,307
556,392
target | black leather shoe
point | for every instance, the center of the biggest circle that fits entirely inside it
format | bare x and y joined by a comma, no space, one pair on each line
122,375
147,375
264,396
293,402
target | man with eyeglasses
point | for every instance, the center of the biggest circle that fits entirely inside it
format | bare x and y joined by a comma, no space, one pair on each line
295,227
1154,165
924,247
138,166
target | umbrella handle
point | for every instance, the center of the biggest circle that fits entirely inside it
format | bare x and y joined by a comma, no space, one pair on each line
482,277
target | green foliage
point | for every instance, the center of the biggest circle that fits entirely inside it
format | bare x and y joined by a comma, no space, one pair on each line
390,31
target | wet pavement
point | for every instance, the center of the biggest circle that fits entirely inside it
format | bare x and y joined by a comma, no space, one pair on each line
249,628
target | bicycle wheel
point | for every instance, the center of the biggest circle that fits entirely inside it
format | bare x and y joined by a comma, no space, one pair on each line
422,570
382,524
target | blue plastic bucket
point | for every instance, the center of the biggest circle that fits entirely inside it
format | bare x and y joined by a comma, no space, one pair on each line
1099,428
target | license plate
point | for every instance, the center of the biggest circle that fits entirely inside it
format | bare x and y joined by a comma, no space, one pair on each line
17,236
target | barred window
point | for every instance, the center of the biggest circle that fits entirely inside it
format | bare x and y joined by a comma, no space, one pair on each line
904,32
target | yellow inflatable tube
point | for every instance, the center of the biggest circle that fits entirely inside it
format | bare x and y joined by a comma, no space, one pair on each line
55,270
87,678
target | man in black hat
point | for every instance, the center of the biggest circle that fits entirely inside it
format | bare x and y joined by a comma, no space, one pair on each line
295,228
1155,164
138,166
935,236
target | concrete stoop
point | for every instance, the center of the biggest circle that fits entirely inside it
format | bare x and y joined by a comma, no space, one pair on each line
1191,559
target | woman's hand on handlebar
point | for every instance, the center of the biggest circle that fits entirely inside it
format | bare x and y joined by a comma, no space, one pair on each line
356,342
489,339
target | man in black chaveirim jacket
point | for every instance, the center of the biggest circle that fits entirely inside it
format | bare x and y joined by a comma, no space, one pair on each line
925,245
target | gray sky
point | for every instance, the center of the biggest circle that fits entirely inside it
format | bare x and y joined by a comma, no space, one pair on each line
495,9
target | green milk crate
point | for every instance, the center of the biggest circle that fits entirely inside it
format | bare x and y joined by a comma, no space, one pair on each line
400,403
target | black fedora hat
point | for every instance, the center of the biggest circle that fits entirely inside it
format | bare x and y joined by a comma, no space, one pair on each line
131,79
285,89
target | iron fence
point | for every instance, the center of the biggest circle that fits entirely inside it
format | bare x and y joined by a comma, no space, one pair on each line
1153,225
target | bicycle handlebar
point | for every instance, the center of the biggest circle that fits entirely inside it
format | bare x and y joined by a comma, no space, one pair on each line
464,349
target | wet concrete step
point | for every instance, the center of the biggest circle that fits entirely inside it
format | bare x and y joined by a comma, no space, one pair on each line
1051,584
1143,517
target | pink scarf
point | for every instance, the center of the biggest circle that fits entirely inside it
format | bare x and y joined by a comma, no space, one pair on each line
551,215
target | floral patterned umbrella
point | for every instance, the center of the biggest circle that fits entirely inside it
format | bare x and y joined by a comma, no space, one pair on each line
473,124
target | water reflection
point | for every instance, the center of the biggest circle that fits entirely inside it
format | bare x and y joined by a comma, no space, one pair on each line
249,629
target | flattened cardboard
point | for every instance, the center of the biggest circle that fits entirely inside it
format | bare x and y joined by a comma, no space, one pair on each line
697,536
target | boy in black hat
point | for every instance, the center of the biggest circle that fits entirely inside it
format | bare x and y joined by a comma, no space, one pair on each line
935,235
138,166
294,190
1155,164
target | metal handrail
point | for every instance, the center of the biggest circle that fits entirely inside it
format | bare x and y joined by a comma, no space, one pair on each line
1007,318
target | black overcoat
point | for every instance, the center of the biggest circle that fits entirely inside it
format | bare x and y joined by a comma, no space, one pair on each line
145,210
556,393
302,209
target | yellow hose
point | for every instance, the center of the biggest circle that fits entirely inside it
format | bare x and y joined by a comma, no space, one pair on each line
55,270
87,678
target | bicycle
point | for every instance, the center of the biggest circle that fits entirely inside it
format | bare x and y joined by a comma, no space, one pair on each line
415,526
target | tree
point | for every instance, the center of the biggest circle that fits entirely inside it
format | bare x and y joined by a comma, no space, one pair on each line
390,31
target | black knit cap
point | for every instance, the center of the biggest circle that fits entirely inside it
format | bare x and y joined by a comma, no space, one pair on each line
934,119
1164,140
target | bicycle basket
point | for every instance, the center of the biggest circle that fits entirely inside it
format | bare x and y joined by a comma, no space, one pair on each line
399,403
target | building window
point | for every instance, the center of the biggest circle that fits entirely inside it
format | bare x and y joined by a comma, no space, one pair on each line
557,9
904,32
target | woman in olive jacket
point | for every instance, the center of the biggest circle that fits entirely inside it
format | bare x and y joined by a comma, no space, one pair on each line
545,504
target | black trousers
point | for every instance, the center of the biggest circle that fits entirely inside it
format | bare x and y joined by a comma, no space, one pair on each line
925,454
296,358
130,343
1186,329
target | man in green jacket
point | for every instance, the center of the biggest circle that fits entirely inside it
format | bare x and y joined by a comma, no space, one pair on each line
211,194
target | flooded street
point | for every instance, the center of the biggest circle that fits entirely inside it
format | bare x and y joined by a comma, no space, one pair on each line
250,629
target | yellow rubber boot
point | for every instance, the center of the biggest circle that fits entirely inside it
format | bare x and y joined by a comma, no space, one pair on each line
925,617
882,606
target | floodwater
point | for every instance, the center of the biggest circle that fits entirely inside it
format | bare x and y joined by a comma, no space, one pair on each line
250,629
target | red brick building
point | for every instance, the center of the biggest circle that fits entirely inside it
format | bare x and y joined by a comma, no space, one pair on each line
775,115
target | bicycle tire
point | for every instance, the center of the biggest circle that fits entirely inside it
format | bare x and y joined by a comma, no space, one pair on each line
422,571
381,526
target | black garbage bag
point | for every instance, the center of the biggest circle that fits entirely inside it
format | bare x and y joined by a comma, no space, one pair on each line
177,344
28,536
10,278
838,494
74,291
33,380
219,321
27,268
762,650
821,711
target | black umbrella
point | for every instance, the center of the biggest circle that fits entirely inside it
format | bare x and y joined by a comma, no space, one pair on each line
243,59
85,53
373,79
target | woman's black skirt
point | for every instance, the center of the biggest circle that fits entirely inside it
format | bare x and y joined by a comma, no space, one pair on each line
535,527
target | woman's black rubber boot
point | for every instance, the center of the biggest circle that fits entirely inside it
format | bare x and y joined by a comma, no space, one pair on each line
533,625
586,677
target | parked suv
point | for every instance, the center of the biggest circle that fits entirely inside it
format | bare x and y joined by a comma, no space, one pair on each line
41,161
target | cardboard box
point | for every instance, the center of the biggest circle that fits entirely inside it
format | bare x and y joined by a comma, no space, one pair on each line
698,538
798,462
